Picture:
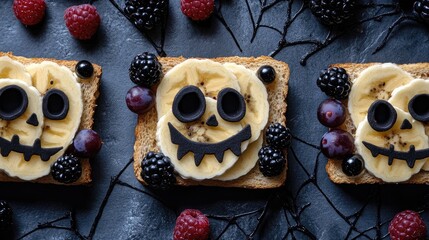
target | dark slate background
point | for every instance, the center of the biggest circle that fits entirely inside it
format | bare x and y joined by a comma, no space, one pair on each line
132,215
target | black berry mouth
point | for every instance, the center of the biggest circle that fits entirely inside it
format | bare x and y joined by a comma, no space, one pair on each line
13,145
410,157
199,149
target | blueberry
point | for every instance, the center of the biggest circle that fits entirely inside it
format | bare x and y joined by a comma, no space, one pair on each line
84,69
353,166
266,74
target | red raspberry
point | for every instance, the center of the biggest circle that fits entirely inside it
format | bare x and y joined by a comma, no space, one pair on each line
407,225
82,21
191,224
197,10
29,12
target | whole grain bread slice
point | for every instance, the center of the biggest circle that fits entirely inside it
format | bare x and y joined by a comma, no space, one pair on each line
90,94
333,167
277,92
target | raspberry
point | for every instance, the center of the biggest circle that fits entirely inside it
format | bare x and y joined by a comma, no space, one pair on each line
29,12
82,21
407,225
191,224
197,10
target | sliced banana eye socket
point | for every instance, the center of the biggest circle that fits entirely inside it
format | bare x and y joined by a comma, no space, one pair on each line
13,102
189,104
381,116
419,107
230,105
55,104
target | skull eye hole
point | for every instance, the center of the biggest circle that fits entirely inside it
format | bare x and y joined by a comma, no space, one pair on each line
381,116
189,104
55,104
13,102
231,105
419,107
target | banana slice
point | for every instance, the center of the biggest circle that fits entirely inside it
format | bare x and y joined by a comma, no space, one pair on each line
401,96
13,70
401,139
199,132
14,164
375,82
56,133
211,77
256,97
245,163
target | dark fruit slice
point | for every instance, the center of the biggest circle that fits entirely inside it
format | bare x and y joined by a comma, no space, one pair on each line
139,99
87,143
331,113
353,166
337,144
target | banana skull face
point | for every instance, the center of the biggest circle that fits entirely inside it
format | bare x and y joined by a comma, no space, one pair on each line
391,137
40,111
209,114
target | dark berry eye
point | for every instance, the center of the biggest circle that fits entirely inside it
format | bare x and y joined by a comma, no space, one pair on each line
231,105
55,104
189,104
13,102
419,107
381,116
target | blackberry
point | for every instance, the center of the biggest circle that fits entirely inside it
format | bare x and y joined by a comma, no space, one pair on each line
5,217
271,161
145,70
333,12
146,14
421,9
335,82
157,171
66,169
278,136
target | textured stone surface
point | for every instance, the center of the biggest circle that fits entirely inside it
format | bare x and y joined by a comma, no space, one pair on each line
132,215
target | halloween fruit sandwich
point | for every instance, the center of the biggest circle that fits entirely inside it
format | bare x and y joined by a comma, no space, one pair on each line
214,122
378,117
46,116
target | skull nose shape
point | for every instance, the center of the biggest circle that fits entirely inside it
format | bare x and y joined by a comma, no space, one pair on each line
212,121
32,120
406,124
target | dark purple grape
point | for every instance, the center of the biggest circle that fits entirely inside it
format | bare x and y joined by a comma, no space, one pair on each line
87,143
337,144
331,113
139,99
353,165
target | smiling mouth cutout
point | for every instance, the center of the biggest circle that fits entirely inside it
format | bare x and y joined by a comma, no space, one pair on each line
201,149
410,157
28,151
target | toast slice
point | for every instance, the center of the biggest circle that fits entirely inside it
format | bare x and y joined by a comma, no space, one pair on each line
90,94
145,131
333,167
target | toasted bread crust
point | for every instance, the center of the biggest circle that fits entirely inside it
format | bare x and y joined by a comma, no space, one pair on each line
90,94
277,92
333,167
